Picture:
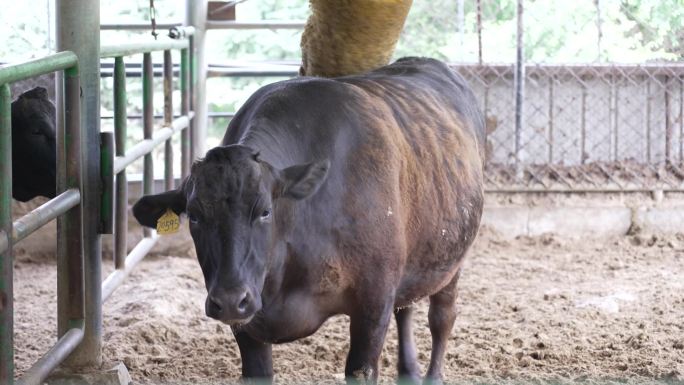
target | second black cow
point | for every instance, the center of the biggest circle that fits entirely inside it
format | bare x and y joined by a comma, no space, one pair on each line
356,195
33,146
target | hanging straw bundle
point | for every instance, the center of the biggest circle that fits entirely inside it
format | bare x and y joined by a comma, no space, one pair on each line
344,37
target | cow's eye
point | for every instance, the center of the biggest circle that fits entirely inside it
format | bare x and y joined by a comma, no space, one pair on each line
192,219
265,215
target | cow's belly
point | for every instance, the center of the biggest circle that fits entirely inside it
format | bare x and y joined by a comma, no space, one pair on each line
435,259
418,285
288,318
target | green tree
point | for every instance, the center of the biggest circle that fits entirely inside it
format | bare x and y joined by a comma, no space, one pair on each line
658,25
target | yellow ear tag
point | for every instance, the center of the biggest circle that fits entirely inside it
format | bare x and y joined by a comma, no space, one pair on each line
168,223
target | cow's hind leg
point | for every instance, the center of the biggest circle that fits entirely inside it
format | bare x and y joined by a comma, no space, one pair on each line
407,364
256,358
441,317
368,327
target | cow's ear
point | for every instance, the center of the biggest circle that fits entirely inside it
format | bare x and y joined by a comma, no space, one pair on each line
302,181
149,208
36,93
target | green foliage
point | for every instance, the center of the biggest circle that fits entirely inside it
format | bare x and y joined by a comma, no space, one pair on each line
658,25
24,33
430,30
255,45
555,30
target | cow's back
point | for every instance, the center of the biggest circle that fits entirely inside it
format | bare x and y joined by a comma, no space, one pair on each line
427,84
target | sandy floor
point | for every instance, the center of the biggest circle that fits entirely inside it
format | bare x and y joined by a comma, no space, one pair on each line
532,309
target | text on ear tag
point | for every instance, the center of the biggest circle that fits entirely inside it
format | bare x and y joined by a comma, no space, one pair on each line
168,223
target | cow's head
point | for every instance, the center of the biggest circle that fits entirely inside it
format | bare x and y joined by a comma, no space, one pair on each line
33,146
229,200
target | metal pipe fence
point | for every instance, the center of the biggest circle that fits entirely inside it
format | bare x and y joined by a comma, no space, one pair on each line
264,24
124,262
66,206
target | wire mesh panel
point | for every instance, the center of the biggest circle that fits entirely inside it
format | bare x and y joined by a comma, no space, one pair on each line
603,93
585,127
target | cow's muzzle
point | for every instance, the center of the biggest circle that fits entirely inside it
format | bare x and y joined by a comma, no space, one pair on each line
235,306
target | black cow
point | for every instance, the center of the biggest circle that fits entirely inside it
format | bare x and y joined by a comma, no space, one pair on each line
356,195
33,146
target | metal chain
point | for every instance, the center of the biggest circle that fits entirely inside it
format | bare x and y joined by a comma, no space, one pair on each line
153,19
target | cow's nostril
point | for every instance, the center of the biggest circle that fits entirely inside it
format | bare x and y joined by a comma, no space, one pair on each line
244,303
214,309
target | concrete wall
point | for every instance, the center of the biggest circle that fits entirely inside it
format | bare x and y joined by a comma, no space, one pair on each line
577,217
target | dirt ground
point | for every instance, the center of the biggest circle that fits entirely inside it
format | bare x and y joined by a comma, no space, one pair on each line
537,310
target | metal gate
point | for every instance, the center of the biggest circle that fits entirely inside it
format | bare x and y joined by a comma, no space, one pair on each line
92,184
66,206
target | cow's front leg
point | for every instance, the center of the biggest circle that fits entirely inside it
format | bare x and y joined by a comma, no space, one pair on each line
368,327
256,357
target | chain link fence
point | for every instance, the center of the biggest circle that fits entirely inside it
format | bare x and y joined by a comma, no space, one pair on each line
611,120
593,127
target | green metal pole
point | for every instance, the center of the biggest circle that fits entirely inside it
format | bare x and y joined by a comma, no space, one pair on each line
120,132
185,108
36,67
6,293
148,123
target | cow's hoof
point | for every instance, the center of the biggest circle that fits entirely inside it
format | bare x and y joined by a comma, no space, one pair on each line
363,375
433,381
409,380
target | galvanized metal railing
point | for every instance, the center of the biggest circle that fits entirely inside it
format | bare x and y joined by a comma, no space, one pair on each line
66,207
122,157
213,24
